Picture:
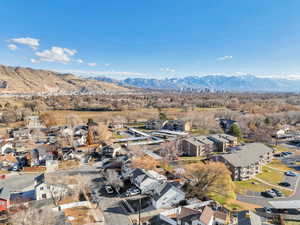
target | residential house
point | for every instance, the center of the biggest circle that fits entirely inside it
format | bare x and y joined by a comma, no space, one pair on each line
116,124
79,141
4,199
166,195
177,125
20,133
44,190
143,180
221,218
5,145
185,216
283,132
8,160
111,150
67,131
226,124
247,160
154,124
33,122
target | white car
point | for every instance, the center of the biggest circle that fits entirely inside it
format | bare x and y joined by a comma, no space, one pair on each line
290,173
268,210
132,192
109,189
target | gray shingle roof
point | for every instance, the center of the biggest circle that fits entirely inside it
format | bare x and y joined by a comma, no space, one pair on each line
248,154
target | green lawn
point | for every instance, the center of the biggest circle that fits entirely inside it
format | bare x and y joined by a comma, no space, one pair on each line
282,149
276,163
242,187
271,176
289,222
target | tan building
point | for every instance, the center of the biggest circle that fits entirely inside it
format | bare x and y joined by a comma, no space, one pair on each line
247,161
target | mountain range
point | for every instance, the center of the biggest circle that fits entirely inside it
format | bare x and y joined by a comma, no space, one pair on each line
20,80
249,83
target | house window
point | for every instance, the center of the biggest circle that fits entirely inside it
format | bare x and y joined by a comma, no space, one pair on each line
41,188
44,196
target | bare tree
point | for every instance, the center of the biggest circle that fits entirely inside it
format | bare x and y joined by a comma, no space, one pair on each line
58,187
83,186
33,216
209,179
114,179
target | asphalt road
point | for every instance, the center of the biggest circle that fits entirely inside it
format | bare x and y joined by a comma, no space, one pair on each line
16,183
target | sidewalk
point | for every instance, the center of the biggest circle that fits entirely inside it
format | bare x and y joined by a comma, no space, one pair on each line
273,185
97,214
147,214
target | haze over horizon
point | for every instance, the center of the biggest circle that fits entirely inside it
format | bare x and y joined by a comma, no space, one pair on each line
156,39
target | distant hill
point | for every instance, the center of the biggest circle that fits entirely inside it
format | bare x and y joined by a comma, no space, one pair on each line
212,82
19,80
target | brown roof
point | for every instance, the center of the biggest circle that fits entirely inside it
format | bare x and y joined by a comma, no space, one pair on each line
220,215
9,158
184,212
206,215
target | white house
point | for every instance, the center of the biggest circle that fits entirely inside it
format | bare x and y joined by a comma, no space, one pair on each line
6,145
44,190
166,195
143,180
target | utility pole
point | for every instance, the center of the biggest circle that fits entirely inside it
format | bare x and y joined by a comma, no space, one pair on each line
140,206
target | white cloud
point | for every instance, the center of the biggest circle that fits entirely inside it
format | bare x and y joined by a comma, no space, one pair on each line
31,42
12,47
226,57
79,60
33,60
169,70
56,54
92,64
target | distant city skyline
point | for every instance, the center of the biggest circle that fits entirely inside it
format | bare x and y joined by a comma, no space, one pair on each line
153,39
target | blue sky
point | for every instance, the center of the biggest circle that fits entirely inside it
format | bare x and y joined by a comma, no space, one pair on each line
152,38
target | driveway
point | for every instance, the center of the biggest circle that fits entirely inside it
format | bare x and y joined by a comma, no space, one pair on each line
110,205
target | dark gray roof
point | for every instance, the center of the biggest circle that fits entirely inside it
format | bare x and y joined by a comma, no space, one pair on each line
248,154
163,188
39,179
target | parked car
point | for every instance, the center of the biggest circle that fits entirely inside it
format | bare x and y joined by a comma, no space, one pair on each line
267,210
277,192
290,173
132,192
109,189
269,194
285,184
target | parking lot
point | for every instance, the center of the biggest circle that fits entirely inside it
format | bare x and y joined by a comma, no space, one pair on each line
256,198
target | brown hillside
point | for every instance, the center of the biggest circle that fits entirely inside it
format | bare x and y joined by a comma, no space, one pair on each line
27,80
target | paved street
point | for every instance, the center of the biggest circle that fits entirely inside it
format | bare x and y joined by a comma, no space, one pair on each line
17,183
